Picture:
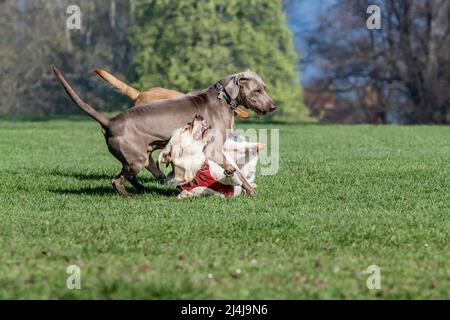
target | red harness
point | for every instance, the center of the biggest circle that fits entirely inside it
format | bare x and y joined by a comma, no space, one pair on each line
203,178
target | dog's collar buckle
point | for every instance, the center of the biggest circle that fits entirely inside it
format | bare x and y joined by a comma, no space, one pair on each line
223,95
233,105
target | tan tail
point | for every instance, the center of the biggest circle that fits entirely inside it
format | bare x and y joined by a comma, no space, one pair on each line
80,103
131,92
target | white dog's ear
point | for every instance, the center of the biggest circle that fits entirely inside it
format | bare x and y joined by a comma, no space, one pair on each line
256,147
165,156
260,146
209,136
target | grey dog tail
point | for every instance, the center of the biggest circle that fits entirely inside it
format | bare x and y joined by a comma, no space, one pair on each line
80,103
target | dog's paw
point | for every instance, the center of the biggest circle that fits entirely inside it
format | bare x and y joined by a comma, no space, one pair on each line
181,196
229,171
250,192
185,194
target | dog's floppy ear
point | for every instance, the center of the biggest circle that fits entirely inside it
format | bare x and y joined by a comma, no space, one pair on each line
208,137
243,77
232,87
234,84
260,146
256,147
249,75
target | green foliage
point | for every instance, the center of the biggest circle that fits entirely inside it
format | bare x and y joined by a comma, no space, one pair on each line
34,37
188,45
344,198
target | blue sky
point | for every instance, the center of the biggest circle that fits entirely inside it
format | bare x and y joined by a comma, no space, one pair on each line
302,15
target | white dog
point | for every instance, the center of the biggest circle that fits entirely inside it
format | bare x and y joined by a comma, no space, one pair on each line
195,175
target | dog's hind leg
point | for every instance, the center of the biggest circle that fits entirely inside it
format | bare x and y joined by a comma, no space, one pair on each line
139,186
119,184
127,175
132,169
156,172
134,158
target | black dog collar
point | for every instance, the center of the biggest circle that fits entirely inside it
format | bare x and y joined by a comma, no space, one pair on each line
223,94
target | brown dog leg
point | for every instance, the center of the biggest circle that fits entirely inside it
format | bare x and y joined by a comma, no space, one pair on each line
156,172
119,184
229,170
139,186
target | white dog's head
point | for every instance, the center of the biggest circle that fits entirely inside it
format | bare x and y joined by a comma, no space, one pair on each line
184,151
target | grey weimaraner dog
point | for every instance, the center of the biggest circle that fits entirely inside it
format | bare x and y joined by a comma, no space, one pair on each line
132,135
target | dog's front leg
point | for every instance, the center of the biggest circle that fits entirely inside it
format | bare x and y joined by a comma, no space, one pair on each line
214,152
247,187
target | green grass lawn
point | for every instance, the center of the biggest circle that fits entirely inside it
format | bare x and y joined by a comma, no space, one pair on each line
345,198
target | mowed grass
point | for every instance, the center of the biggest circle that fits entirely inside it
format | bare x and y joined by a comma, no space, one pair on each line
345,198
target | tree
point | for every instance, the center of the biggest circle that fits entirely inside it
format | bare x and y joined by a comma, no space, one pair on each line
33,37
188,45
400,73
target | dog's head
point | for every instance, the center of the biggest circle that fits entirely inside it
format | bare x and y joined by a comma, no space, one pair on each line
249,90
184,151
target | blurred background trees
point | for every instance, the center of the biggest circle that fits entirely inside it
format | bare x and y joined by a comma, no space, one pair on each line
34,37
398,74
185,45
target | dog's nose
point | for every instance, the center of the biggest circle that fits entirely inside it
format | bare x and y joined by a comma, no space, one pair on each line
198,117
273,107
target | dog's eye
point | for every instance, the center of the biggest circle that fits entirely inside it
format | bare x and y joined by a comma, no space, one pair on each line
258,91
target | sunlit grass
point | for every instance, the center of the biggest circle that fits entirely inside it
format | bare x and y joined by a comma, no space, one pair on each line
345,198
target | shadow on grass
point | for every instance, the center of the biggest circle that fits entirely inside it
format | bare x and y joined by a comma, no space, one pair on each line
156,186
83,176
105,190
100,176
